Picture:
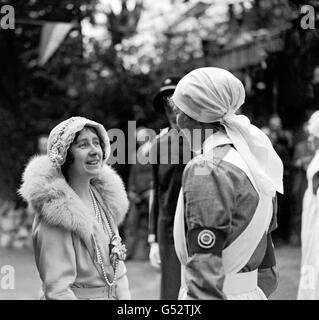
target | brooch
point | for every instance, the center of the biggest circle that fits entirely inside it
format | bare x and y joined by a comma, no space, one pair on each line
118,251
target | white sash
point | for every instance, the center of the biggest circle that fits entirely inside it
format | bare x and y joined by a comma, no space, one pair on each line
239,252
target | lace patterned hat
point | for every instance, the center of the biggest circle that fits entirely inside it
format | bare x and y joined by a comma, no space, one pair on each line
62,136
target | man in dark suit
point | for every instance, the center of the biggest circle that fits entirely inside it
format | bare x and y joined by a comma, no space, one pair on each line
167,178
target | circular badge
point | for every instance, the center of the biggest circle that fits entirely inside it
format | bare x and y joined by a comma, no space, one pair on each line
206,239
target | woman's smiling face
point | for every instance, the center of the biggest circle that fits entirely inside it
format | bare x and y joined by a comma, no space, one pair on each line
87,154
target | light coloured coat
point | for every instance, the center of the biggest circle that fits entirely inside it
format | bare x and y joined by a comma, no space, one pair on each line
62,230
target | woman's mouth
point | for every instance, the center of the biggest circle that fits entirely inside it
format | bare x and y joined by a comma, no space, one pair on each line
93,162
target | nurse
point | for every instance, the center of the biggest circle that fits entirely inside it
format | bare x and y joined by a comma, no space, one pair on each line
225,212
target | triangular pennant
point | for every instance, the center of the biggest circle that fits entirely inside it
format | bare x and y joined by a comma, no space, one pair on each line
52,35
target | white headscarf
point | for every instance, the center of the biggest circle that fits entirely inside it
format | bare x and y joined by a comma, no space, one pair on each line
214,95
313,124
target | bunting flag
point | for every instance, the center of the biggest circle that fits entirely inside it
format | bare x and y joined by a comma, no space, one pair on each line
52,35
195,11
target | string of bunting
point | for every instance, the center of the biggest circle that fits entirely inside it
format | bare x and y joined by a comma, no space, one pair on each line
53,34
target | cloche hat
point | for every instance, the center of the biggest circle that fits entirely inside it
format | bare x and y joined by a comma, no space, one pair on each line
62,136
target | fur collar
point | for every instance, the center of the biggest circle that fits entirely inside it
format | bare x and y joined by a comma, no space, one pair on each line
50,196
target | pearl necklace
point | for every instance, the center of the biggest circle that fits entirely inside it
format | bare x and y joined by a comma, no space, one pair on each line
111,234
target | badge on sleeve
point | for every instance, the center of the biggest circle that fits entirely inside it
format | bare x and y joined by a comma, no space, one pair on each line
206,239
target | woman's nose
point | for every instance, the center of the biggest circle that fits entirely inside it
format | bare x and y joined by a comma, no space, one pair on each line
93,149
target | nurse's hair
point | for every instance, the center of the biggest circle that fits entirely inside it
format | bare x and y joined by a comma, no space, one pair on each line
216,126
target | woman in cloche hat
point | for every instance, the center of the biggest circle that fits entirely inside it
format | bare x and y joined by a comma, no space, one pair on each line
79,202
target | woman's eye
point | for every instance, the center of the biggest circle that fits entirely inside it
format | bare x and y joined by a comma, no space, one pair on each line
82,145
97,143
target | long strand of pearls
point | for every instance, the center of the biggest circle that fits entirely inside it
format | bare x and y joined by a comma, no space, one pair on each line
100,261
98,252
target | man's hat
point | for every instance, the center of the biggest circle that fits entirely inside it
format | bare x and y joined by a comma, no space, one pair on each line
168,86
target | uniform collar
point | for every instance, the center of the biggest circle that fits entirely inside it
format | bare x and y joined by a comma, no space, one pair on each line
215,140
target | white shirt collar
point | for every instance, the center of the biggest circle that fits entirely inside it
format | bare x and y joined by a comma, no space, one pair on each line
214,140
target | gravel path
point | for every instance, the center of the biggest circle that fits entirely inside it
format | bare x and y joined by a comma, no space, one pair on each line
144,280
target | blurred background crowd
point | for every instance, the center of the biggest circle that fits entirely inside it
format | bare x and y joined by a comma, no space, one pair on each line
106,59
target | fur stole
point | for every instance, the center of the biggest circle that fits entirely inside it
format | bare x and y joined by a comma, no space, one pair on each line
50,196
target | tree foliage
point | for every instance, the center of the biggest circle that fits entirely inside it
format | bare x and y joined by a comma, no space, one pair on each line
33,99
113,80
